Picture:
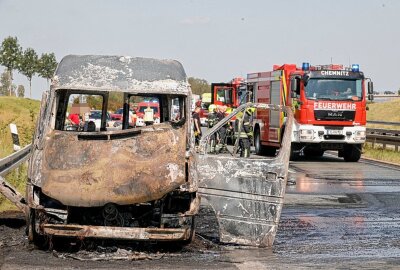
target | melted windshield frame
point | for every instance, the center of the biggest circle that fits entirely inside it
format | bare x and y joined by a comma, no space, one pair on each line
170,108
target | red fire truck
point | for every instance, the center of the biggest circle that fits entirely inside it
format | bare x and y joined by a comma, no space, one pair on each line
231,94
329,104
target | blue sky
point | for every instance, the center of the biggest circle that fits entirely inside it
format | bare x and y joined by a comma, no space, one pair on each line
214,40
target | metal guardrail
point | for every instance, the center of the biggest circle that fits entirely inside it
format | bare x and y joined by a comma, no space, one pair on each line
384,136
384,123
10,162
7,164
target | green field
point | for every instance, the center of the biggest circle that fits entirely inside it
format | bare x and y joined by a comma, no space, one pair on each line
385,111
22,112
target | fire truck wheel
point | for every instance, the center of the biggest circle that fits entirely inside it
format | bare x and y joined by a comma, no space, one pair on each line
257,141
262,149
352,153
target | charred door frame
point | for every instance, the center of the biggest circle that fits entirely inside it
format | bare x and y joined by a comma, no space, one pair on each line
245,194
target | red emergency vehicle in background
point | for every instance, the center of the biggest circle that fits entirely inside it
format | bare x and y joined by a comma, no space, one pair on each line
204,104
231,94
329,104
140,111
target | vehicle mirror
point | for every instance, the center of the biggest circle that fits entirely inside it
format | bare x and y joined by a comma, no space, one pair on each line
294,87
370,87
306,78
293,84
370,97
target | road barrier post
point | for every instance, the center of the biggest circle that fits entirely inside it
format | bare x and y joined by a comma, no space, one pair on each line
15,137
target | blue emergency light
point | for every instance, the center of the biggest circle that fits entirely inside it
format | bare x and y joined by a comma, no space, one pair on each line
355,67
305,66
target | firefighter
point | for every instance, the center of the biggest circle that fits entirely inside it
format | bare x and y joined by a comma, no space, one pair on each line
212,120
196,125
246,132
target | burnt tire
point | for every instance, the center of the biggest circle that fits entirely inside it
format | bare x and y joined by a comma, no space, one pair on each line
192,234
352,153
40,241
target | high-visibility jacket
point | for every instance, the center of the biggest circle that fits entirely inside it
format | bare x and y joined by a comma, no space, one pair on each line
245,120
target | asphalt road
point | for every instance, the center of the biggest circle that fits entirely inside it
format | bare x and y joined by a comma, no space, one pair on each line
337,215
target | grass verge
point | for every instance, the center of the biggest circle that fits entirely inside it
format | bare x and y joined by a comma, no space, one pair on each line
17,178
388,111
384,111
23,112
388,155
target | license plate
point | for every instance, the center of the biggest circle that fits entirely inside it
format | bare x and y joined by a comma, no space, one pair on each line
334,132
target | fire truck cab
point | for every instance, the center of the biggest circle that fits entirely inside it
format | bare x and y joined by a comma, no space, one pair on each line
231,94
329,105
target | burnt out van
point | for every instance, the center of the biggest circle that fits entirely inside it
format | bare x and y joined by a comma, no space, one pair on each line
101,180
90,176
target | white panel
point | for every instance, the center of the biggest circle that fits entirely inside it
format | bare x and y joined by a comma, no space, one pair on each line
13,128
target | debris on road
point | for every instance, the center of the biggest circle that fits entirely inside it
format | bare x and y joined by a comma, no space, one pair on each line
118,255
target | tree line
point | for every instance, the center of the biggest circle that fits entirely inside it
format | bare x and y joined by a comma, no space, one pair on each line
26,62
199,86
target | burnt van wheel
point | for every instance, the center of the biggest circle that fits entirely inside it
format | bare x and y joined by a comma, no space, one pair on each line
35,238
192,233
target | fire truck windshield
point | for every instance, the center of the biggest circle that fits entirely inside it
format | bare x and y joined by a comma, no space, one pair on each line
224,94
328,89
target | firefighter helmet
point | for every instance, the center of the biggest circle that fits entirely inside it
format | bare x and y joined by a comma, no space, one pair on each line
250,110
212,108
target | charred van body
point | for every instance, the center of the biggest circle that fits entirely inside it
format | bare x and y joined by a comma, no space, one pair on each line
91,178
140,178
